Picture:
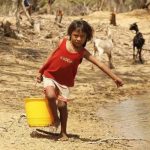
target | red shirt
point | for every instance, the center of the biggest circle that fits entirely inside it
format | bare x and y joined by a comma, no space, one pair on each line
62,65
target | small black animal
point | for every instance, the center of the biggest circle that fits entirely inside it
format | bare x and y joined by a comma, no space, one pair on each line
138,42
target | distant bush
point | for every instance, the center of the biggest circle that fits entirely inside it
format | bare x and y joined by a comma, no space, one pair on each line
77,7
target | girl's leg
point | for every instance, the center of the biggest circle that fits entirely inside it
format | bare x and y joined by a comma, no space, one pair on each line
62,106
51,95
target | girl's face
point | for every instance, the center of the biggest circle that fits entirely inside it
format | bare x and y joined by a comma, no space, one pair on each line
78,38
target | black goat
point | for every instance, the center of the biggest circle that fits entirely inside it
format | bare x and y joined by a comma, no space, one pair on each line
138,42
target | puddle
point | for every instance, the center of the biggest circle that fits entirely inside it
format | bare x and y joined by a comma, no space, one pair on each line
130,118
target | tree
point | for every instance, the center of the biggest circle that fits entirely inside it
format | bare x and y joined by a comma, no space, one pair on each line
20,4
50,2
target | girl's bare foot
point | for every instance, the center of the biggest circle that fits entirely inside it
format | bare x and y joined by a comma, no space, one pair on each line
63,137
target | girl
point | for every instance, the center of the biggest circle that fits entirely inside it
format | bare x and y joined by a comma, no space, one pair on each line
59,71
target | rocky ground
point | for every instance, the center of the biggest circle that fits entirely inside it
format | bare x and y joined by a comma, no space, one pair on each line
19,64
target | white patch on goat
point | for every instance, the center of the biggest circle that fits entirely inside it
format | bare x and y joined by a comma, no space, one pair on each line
104,46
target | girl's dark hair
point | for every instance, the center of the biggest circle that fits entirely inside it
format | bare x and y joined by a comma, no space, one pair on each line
83,26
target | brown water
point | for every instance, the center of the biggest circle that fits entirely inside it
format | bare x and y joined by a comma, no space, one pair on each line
130,119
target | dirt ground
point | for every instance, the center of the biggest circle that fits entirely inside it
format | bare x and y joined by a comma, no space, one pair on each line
19,64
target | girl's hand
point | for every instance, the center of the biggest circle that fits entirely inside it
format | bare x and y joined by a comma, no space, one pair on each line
39,78
118,82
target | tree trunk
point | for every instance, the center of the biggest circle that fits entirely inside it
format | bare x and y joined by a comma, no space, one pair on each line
113,19
26,12
102,3
37,26
18,15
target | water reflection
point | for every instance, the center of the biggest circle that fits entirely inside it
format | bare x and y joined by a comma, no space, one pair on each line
130,118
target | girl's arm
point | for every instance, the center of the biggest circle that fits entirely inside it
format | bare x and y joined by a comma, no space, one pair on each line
103,67
46,64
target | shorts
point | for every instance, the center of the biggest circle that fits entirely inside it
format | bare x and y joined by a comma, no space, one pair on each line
63,90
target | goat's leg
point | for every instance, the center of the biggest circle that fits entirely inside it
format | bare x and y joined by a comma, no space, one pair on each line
94,54
137,54
140,56
134,55
110,60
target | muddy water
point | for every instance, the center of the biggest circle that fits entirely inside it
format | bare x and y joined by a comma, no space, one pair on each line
129,119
